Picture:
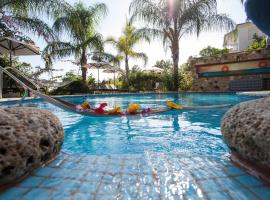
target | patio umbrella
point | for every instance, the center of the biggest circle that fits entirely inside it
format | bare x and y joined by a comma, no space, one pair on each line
13,47
113,70
98,66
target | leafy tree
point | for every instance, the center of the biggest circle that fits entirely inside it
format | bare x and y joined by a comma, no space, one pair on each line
162,64
140,80
186,80
170,20
257,43
126,43
21,15
71,76
212,51
79,23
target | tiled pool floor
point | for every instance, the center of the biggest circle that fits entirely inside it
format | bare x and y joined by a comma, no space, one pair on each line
148,176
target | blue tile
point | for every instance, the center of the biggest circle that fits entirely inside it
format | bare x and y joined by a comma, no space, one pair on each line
249,181
233,171
69,185
60,195
218,173
39,194
13,193
194,197
88,187
107,197
218,195
107,178
242,194
51,183
202,174
68,173
56,163
229,184
110,189
147,179
192,189
61,173
82,196
93,177
46,171
262,192
210,186
32,182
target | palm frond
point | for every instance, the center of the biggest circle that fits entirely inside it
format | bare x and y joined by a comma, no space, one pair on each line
35,7
141,56
58,50
34,25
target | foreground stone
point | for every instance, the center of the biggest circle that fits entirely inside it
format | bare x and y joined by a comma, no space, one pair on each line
246,130
28,138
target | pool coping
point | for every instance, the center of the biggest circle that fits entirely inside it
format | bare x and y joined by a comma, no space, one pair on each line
112,95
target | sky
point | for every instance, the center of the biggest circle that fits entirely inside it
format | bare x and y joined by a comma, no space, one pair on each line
112,25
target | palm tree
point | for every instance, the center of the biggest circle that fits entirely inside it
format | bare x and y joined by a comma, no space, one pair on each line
21,15
126,43
170,20
79,23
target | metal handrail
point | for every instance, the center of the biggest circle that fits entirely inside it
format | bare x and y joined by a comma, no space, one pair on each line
24,76
19,82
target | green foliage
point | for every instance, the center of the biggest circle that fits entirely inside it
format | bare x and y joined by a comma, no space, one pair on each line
126,43
167,79
257,43
76,87
169,21
140,80
91,81
186,80
71,76
212,51
79,23
20,15
162,64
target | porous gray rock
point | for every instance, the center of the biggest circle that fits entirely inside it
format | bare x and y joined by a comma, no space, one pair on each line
246,130
29,138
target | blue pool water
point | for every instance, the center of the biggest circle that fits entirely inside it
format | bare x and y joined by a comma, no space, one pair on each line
194,132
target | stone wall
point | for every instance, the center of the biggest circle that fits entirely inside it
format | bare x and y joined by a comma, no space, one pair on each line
222,83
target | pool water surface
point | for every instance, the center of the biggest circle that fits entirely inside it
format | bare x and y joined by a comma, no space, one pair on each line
192,132
174,155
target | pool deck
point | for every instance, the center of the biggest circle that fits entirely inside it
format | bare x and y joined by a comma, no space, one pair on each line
145,176
256,93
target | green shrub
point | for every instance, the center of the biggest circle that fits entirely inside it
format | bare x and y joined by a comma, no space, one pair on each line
76,87
212,51
257,43
186,77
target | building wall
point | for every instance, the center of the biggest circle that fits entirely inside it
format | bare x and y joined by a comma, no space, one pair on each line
244,35
221,84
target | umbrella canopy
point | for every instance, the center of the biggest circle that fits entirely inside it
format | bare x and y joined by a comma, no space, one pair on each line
98,66
13,47
113,70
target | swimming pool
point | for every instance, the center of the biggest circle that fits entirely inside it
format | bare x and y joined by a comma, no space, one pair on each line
174,155
194,132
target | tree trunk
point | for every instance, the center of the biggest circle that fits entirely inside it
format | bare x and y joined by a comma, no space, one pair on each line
83,65
175,58
127,69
